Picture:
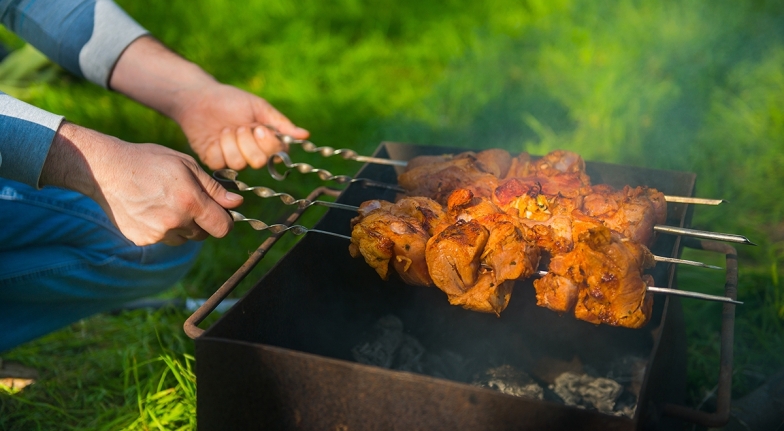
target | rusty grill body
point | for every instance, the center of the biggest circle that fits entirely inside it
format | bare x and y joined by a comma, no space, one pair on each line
281,357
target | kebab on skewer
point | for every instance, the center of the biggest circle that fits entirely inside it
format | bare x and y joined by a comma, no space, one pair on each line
594,268
488,288
474,251
471,252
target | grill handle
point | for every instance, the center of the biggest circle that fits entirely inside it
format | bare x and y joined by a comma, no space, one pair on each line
190,326
723,393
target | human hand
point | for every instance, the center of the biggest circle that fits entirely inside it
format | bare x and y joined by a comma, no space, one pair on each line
150,192
224,124
226,127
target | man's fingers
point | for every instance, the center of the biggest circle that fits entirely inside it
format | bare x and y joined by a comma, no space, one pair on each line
251,150
267,141
294,131
212,217
231,151
213,156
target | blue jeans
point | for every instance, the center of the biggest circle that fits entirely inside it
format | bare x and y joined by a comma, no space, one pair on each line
61,260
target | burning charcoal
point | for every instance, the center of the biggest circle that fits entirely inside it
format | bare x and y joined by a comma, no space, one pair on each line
389,347
510,381
380,351
410,355
588,392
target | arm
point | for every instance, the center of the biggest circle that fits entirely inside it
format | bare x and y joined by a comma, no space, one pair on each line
150,192
99,41
224,124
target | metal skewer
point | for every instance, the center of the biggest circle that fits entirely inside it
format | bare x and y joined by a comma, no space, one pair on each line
690,200
348,154
230,176
677,292
279,228
323,174
685,262
301,230
728,237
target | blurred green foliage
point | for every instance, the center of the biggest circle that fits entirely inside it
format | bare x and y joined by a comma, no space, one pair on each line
685,85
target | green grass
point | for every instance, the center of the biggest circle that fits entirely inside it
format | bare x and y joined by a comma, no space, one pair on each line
684,85
126,371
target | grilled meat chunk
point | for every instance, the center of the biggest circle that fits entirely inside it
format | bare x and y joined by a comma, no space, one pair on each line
476,171
485,296
607,270
630,211
385,239
474,223
453,256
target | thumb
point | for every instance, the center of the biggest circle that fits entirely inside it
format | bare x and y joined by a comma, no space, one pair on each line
224,197
288,128
213,217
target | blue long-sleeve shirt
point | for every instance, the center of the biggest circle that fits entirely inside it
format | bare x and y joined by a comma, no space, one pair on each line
86,37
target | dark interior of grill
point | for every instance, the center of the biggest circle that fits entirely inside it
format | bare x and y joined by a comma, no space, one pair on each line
318,300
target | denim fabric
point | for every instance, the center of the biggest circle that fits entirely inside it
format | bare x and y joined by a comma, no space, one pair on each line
26,133
61,260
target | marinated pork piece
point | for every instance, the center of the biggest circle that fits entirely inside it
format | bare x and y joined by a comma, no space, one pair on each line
485,296
607,272
555,291
453,256
462,204
476,171
536,190
383,239
630,211
559,171
510,250
429,213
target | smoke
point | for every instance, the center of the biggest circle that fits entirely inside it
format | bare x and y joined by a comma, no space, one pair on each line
684,85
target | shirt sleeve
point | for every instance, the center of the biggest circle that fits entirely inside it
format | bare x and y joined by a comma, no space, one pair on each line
86,37
26,133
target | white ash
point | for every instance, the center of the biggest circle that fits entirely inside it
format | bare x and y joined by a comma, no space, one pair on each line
511,381
390,347
584,391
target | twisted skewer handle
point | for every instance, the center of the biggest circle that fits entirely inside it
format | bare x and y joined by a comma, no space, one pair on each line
279,228
230,176
347,154
323,174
